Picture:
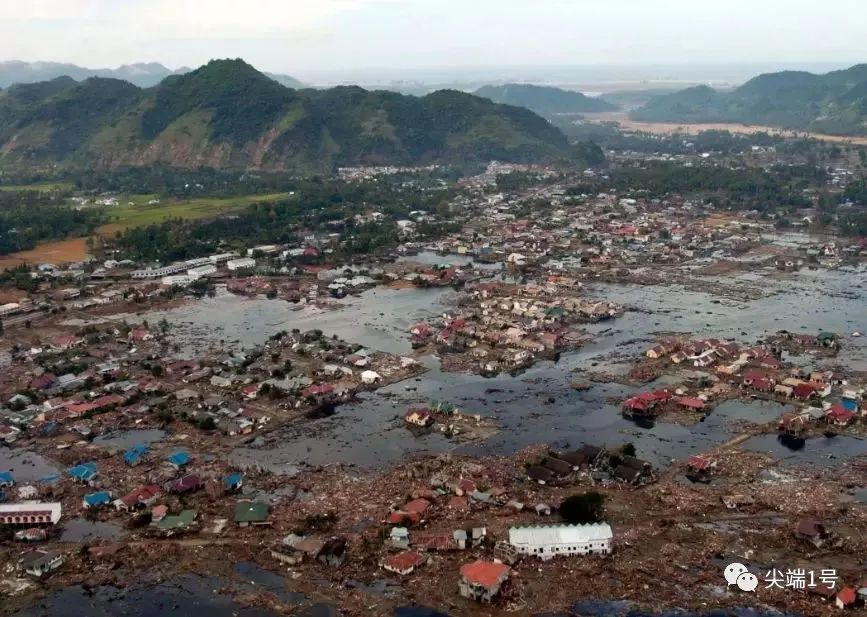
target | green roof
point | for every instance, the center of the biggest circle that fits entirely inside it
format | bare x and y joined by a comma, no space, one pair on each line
251,512
185,518
826,335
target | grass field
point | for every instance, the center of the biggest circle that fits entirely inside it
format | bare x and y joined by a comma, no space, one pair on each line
134,210
44,186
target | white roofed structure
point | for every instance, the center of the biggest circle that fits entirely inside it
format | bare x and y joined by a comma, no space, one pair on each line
551,540
29,513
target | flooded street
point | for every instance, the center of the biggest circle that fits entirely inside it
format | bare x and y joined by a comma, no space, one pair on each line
537,405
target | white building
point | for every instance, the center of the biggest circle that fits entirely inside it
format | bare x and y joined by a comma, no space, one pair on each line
10,308
221,257
29,513
200,271
547,542
244,263
156,273
181,280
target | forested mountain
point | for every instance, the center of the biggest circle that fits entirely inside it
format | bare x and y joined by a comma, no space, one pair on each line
142,74
835,102
227,114
543,100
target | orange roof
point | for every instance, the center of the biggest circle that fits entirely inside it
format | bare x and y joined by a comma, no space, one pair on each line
485,573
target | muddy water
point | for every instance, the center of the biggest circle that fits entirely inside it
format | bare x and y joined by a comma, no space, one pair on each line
82,530
538,406
188,595
26,467
128,439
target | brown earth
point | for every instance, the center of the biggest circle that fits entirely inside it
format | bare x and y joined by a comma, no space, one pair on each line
668,128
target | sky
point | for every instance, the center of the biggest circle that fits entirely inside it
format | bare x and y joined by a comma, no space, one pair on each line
309,38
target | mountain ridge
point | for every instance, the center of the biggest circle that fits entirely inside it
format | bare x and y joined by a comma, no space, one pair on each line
544,100
834,103
227,114
141,74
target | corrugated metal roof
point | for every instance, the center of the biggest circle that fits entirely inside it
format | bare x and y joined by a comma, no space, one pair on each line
559,534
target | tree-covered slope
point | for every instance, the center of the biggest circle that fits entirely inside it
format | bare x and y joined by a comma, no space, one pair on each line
833,102
544,100
227,114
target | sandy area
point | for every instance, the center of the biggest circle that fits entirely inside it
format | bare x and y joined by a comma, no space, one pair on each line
666,128
59,252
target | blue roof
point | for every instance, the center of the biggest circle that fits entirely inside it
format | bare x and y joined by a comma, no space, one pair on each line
849,404
234,479
51,478
179,459
135,454
98,499
85,471
6,477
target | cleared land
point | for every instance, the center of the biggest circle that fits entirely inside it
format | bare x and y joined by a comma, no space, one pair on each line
141,213
668,128
134,211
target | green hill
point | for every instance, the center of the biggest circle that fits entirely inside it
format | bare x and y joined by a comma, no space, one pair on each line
227,114
544,100
831,103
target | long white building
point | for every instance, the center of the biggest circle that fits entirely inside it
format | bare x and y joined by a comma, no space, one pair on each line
29,513
549,541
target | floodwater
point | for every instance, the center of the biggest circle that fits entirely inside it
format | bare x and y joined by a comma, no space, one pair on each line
127,439
187,595
538,405
26,466
82,530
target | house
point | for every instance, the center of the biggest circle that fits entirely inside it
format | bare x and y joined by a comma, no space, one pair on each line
251,392
837,415
29,514
700,465
179,459
134,455
6,479
432,540
333,553
84,473
33,534
40,562
402,563
139,498
96,500
690,402
812,531
419,417
540,474
482,580
370,377
251,513
846,598
547,542
187,484
656,352
234,481
399,537
173,522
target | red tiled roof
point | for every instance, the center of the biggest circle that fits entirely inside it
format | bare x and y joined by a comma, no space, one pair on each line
485,573
418,506
403,561
690,401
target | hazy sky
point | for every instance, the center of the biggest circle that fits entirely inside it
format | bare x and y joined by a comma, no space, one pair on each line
306,37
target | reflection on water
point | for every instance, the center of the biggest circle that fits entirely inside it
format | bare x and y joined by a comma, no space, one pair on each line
130,438
82,530
370,433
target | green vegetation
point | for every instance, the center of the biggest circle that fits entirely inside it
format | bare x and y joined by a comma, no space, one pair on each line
583,509
324,206
734,188
143,213
230,115
545,101
833,103
28,217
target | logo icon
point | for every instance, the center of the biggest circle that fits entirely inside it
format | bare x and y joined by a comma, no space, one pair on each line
738,574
